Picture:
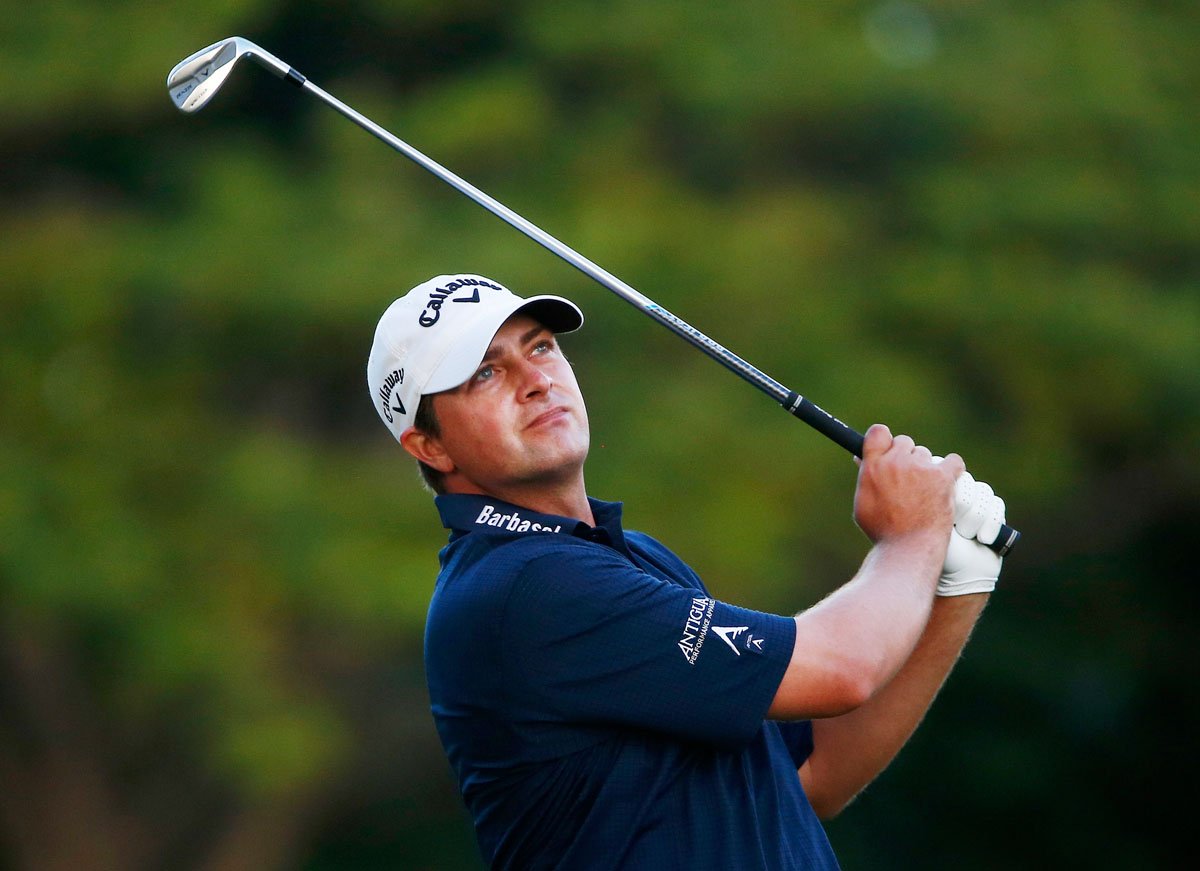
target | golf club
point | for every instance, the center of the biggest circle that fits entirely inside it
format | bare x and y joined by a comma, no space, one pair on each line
196,79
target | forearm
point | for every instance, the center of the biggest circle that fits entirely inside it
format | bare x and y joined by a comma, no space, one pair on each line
850,750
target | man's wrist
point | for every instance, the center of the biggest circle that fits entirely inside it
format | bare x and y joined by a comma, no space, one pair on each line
921,552
950,587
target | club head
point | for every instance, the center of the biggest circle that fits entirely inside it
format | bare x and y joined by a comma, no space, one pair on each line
195,79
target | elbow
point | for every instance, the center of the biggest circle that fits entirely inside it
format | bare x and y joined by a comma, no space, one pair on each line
827,809
824,810
839,691
826,803
852,688
852,678
826,680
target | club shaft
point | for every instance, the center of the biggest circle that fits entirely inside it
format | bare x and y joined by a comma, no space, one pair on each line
807,411
589,268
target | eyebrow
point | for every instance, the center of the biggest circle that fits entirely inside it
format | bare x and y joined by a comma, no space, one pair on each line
493,351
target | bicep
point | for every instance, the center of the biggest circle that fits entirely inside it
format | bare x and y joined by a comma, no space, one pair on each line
822,678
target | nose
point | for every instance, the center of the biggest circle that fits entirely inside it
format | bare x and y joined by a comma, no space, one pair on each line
536,381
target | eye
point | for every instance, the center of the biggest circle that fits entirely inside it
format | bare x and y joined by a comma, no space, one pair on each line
484,374
544,346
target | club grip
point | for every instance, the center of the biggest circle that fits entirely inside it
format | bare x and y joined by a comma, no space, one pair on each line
852,440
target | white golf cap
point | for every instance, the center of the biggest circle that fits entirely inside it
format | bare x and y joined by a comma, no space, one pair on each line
434,337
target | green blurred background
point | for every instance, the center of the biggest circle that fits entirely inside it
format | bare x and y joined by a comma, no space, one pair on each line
977,222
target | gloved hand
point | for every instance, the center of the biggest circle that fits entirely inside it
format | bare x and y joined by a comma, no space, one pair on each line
970,566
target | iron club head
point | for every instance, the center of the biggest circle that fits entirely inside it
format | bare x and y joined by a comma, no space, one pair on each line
196,79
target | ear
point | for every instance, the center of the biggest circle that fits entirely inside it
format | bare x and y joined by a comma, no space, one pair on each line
426,448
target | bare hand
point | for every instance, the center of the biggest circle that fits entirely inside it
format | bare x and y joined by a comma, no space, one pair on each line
901,488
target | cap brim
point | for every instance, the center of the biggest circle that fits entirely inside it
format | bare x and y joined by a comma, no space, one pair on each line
559,314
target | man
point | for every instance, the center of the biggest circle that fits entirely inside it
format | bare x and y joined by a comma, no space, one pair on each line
600,709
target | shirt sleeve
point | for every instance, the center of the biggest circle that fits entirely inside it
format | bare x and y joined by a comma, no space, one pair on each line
798,736
588,637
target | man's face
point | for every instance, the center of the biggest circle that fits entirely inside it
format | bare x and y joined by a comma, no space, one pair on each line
519,421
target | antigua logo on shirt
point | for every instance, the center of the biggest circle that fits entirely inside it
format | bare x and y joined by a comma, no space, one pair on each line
699,624
695,628
729,634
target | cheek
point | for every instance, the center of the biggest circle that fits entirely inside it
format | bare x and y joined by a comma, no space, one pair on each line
564,375
471,429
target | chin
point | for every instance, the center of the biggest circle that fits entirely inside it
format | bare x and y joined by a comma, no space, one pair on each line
560,468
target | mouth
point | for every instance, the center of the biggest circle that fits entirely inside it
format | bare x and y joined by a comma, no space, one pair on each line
547,418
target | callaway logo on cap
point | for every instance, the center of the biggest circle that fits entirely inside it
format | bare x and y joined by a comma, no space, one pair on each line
434,337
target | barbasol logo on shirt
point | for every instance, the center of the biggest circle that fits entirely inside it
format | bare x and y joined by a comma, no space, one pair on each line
512,522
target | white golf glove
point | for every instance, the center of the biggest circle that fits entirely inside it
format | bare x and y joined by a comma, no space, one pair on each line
971,566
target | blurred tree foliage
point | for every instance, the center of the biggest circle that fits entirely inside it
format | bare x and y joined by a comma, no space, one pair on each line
976,222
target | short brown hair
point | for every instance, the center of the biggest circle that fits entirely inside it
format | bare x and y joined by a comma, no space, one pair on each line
427,422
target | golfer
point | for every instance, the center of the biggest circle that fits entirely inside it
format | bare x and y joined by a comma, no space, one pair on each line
599,707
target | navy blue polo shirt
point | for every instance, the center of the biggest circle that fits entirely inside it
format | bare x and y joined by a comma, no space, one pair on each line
601,709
